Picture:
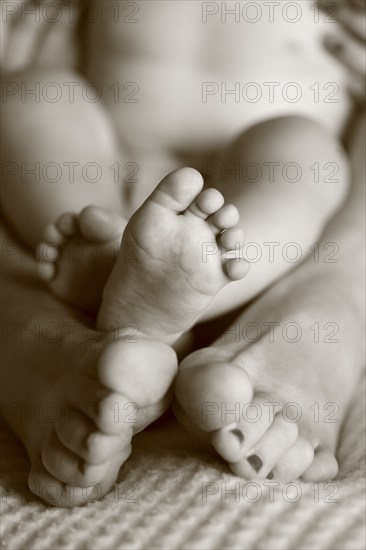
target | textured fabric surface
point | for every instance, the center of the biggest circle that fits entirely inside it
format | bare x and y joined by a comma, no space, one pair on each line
173,493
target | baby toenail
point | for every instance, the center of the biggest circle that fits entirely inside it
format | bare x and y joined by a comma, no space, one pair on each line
238,434
255,462
270,475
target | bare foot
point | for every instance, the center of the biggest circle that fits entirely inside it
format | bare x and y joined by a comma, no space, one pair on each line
172,261
273,408
262,438
91,401
78,253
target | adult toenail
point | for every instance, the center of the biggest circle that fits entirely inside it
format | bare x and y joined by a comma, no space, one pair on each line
270,475
255,462
238,434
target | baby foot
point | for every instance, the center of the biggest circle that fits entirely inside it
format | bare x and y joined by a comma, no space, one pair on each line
256,408
78,253
176,255
99,400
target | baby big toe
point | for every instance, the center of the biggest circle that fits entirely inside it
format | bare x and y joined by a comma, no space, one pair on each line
211,394
126,368
178,189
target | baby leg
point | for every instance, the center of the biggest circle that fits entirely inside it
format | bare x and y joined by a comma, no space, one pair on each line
58,160
58,153
287,177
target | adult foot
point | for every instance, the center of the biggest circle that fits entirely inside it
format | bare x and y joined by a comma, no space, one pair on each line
178,251
77,255
91,399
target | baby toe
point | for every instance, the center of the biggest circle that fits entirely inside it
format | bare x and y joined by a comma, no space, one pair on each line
178,190
295,461
234,441
207,202
112,413
232,239
60,461
52,490
62,494
228,442
53,235
236,269
67,224
100,225
265,454
232,242
99,448
77,432
323,468
225,217
46,271
67,467
47,252
47,255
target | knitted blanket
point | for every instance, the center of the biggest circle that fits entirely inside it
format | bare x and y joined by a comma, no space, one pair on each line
174,493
